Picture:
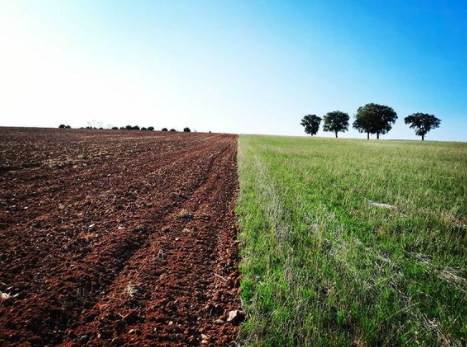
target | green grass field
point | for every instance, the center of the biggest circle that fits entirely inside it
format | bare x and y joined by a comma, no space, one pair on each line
325,265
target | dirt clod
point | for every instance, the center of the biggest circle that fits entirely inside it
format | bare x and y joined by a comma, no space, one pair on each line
236,317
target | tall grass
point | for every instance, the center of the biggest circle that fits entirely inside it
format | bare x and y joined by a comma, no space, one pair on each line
351,242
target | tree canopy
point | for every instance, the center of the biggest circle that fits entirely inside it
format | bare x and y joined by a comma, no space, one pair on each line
336,121
375,119
311,123
422,123
363,123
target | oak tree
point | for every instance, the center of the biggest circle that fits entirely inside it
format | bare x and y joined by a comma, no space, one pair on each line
336,121
311,124
375,119
422,123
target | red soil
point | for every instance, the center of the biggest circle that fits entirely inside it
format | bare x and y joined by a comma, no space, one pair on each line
117,238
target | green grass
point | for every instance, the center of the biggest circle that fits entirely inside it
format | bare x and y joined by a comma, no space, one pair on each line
323,266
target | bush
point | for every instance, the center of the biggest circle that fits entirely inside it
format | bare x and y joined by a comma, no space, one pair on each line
61,126
173,130
114,128
164,129
122,128
135,127
151,128
187,130
143,129
128,127
67,127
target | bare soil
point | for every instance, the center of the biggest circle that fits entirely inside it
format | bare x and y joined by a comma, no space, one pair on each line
117,238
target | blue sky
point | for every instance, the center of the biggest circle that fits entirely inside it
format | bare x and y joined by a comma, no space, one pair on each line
231,66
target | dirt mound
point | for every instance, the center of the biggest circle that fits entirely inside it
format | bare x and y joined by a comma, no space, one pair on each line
117,238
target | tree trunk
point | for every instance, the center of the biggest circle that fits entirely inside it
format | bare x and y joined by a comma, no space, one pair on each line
423,137
367,135
336,134
377,136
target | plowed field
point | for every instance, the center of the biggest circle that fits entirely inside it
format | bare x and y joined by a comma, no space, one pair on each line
117,238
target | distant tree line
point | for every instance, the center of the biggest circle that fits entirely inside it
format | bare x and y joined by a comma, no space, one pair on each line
128,127
369,119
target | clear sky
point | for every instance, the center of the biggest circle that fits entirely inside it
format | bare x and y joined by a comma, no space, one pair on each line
243,66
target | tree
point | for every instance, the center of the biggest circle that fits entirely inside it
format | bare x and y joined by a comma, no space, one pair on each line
187,130
173,130
311,123
135,127
164,129
375,119
61,126
143,129
363,123
336,121
422,123
151,128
